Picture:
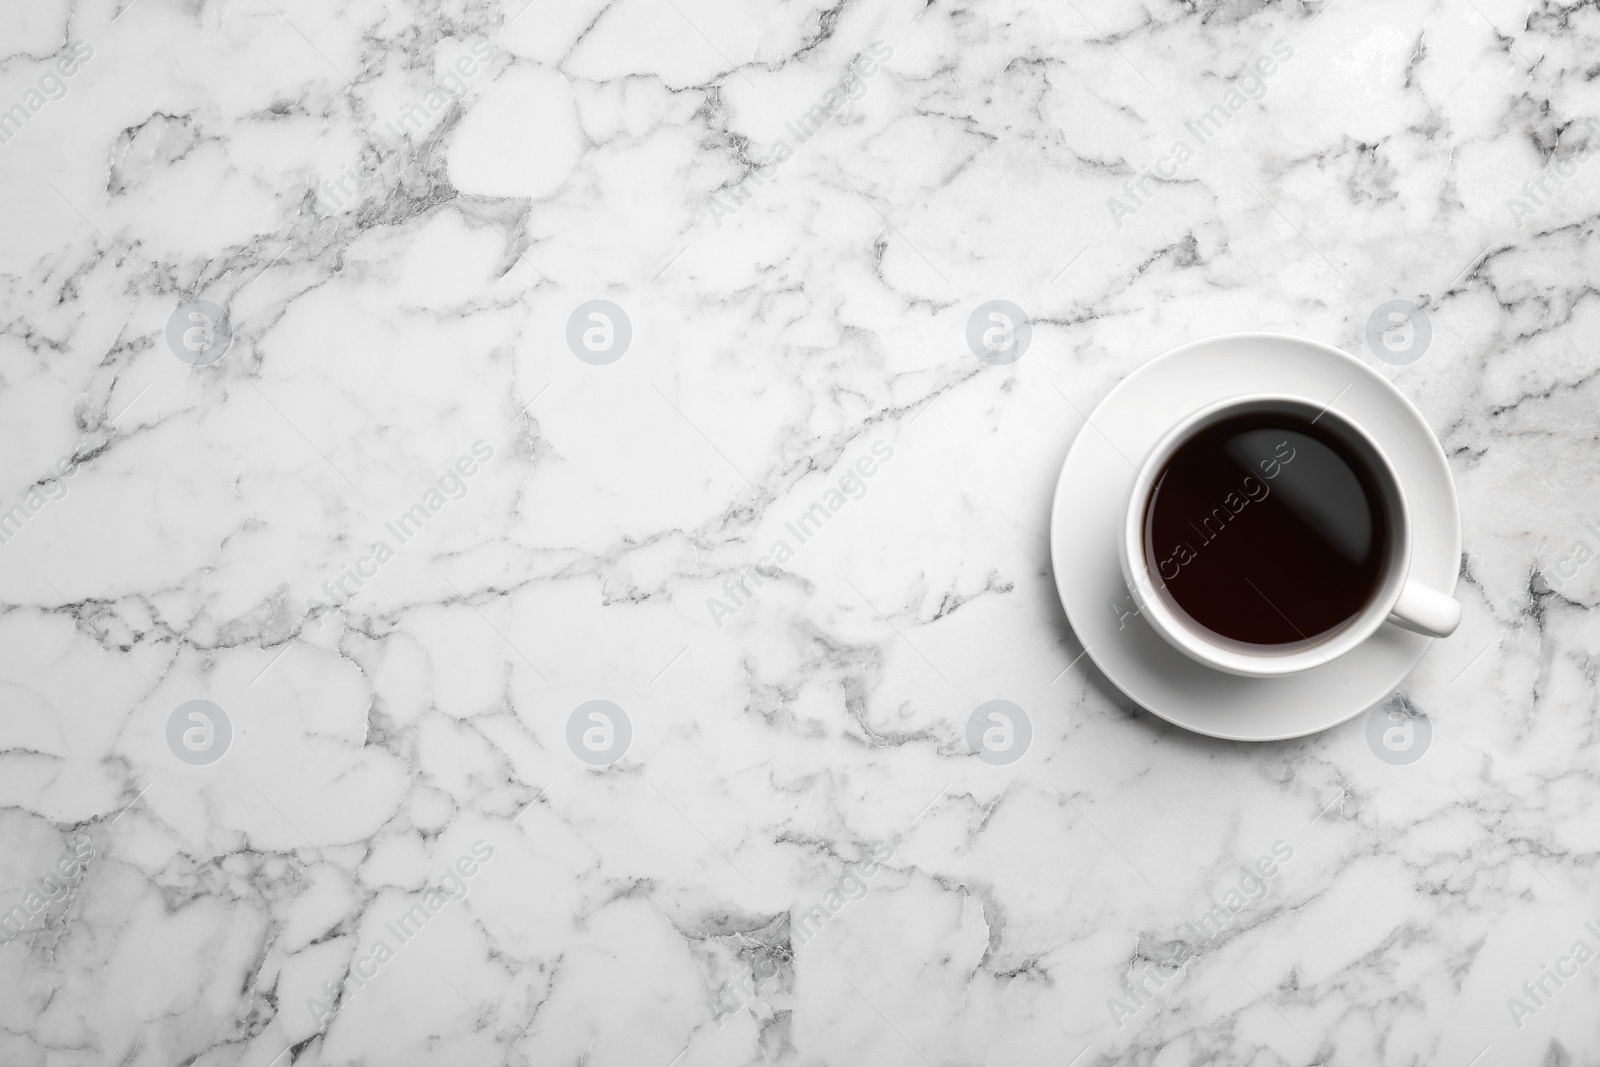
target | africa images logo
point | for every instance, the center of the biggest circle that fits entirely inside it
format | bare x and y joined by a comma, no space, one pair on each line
199,333
395,137
51,86
1197,132
412,919
48,890
452,485
852,485
850,87
1398,732
199,732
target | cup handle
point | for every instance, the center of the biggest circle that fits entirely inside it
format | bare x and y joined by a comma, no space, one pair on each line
1425,611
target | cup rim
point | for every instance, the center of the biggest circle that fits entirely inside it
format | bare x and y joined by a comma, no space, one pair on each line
1184,636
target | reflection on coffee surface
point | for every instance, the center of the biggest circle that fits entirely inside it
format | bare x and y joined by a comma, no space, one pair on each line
1265,530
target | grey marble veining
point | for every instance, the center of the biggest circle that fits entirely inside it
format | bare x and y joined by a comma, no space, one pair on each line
308,413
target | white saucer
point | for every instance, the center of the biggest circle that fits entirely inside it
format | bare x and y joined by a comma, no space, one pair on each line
1092,494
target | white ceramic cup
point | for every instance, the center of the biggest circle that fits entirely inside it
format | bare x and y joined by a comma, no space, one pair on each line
1398,600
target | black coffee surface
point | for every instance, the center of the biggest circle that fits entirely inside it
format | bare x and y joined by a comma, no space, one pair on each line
1266,530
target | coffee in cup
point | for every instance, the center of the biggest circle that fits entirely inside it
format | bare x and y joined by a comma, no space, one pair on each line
1268,534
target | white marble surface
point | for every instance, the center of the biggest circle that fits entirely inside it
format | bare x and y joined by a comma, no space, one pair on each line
399,244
